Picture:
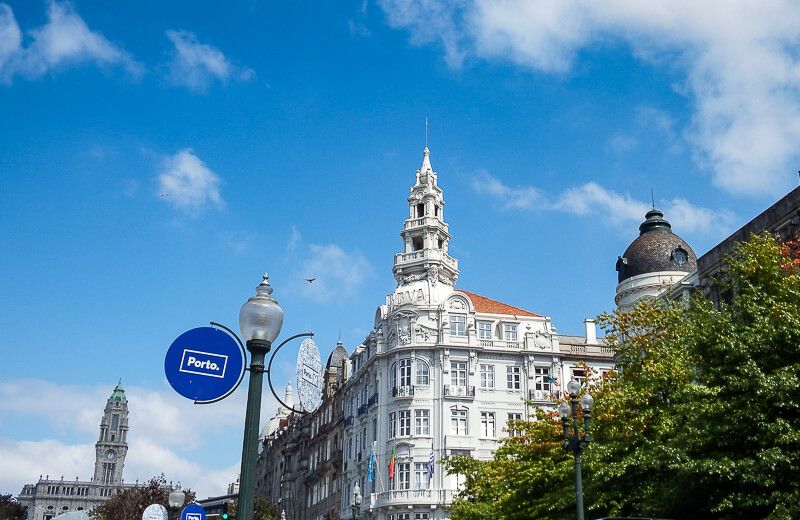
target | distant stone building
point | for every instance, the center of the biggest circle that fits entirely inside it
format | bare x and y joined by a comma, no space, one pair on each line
51,497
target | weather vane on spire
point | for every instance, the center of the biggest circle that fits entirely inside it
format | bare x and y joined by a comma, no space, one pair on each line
426,132
652,198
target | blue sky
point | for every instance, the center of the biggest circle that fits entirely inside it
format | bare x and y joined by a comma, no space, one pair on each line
286,135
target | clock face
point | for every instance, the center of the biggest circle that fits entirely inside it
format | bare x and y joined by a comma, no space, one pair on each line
111,455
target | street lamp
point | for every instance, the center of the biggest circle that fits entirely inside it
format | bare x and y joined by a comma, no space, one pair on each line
260,321
576,442
176,497
356,502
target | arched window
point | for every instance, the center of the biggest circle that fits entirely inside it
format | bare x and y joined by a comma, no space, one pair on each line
423,372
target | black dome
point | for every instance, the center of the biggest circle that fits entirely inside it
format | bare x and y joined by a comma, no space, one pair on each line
656,249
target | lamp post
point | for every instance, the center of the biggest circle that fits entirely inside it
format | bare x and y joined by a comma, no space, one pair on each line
260,321
575,442
356,502
176,498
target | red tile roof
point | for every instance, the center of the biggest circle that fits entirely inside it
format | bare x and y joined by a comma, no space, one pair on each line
484,304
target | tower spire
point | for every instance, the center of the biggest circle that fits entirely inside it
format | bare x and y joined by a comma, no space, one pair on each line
425,234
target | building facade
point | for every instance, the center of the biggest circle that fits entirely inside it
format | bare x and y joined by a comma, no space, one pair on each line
48,497
442,372
300,463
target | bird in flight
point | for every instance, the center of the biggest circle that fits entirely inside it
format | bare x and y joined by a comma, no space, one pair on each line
311,280
164,195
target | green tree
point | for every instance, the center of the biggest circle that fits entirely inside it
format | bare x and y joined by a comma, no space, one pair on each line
702,420
529,476
263,509
131,503
10,509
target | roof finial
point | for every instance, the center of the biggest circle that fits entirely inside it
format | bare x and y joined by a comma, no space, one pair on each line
426,132
652,198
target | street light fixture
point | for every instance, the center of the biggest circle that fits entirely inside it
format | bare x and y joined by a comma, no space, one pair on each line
260,321
356,502
575,442
176,498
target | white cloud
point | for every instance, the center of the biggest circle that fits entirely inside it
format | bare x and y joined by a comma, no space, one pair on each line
159,439
338,272
196,65
64,40
188,184
740,63
591,199
621,144
513,198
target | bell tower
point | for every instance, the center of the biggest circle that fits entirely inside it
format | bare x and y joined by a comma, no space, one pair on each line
112,446
425,234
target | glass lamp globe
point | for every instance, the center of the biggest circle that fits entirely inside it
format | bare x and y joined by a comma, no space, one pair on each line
261,317
176,497
573,387
587,401
564,410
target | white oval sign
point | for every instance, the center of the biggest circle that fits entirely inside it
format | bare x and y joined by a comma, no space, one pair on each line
309,375
155,512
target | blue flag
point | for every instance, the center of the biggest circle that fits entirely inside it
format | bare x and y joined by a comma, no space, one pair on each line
371,466
430,464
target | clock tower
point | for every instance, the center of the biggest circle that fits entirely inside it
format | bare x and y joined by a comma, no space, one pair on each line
112,445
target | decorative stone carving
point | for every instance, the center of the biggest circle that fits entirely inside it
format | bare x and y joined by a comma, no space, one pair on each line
433,275
446,361
458,304
473,361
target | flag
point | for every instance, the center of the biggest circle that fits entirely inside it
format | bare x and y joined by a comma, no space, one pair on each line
391,464
371,466
430,464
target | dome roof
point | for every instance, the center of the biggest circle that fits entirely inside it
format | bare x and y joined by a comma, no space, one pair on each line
656,249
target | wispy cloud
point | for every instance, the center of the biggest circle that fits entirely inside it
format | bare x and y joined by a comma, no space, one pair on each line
593,200
738,60
521,197
295,239
196,65
64,40
338,272
188,184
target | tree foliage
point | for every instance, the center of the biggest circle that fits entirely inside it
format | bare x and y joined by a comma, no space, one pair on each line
10,509
702,420
263,509
131,503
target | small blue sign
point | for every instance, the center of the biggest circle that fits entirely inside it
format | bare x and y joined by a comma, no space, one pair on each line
193,511
205,364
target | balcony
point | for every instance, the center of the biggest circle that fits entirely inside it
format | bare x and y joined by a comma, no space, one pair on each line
426,254
425,221
500,344
540,395
373,400
362,409
413,497
403,391
348,421
461,392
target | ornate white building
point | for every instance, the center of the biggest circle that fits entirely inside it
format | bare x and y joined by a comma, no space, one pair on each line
51,497
442,372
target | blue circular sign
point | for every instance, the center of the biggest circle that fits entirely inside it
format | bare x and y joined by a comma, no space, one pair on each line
205,364
193,511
